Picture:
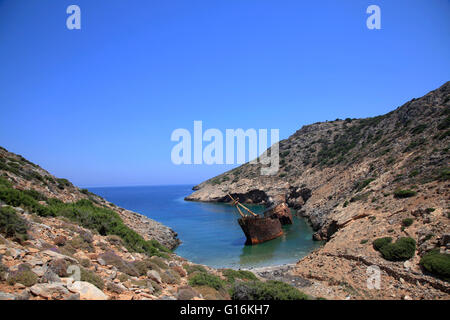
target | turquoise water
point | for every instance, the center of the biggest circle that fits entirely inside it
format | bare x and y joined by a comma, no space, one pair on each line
210,233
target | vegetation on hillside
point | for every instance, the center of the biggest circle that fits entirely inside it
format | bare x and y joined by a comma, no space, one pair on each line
403,249
437,263
85,213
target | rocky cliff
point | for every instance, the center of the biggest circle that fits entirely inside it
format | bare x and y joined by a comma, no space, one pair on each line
356,180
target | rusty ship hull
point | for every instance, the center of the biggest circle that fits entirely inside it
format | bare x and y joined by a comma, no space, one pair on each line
260,229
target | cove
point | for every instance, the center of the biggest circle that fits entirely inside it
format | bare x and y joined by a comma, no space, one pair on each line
209,232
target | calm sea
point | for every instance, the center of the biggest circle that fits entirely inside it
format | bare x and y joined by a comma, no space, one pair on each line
210,233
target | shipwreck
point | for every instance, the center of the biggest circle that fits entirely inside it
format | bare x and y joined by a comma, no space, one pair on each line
262,228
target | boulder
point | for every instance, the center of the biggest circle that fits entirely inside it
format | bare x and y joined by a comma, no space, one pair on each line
50,276
56,255
87,291
280,211
46,290
154,275
186,293
116,287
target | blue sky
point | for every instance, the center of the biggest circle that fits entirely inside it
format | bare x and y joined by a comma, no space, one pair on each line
98,105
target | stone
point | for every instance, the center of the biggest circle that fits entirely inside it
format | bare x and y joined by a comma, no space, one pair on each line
46,290
101,262
39,271
32,250
24,295
35,262
154,275
50,277
75,296
116,287
186,293
407,264
87,291
14,253
7,296
56,255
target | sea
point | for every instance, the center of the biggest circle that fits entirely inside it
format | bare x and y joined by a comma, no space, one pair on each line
209,232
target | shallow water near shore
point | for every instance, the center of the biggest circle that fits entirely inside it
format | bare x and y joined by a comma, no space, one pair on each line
209,232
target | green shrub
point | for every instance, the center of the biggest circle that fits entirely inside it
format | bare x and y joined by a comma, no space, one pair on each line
35,195
62,183
437,263
232,275
170,277
23,275
360,197
11,224
159,262
430,210
5,183
3,271
378,243
362,184
270,290
81,244
205,279
364,241
92,277
404,193
123,266
142,266
444,174
123,277
85,263
190,269
402,249
407,222
18,198
345,203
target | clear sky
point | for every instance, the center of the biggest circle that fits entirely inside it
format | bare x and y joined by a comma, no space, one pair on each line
98,105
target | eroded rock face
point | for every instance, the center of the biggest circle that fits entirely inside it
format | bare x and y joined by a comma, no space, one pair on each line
281,212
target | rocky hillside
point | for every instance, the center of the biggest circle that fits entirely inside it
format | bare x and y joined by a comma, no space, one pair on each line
357,180
25,175
61,242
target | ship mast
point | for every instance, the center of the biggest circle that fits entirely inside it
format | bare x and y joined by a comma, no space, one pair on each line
237,204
